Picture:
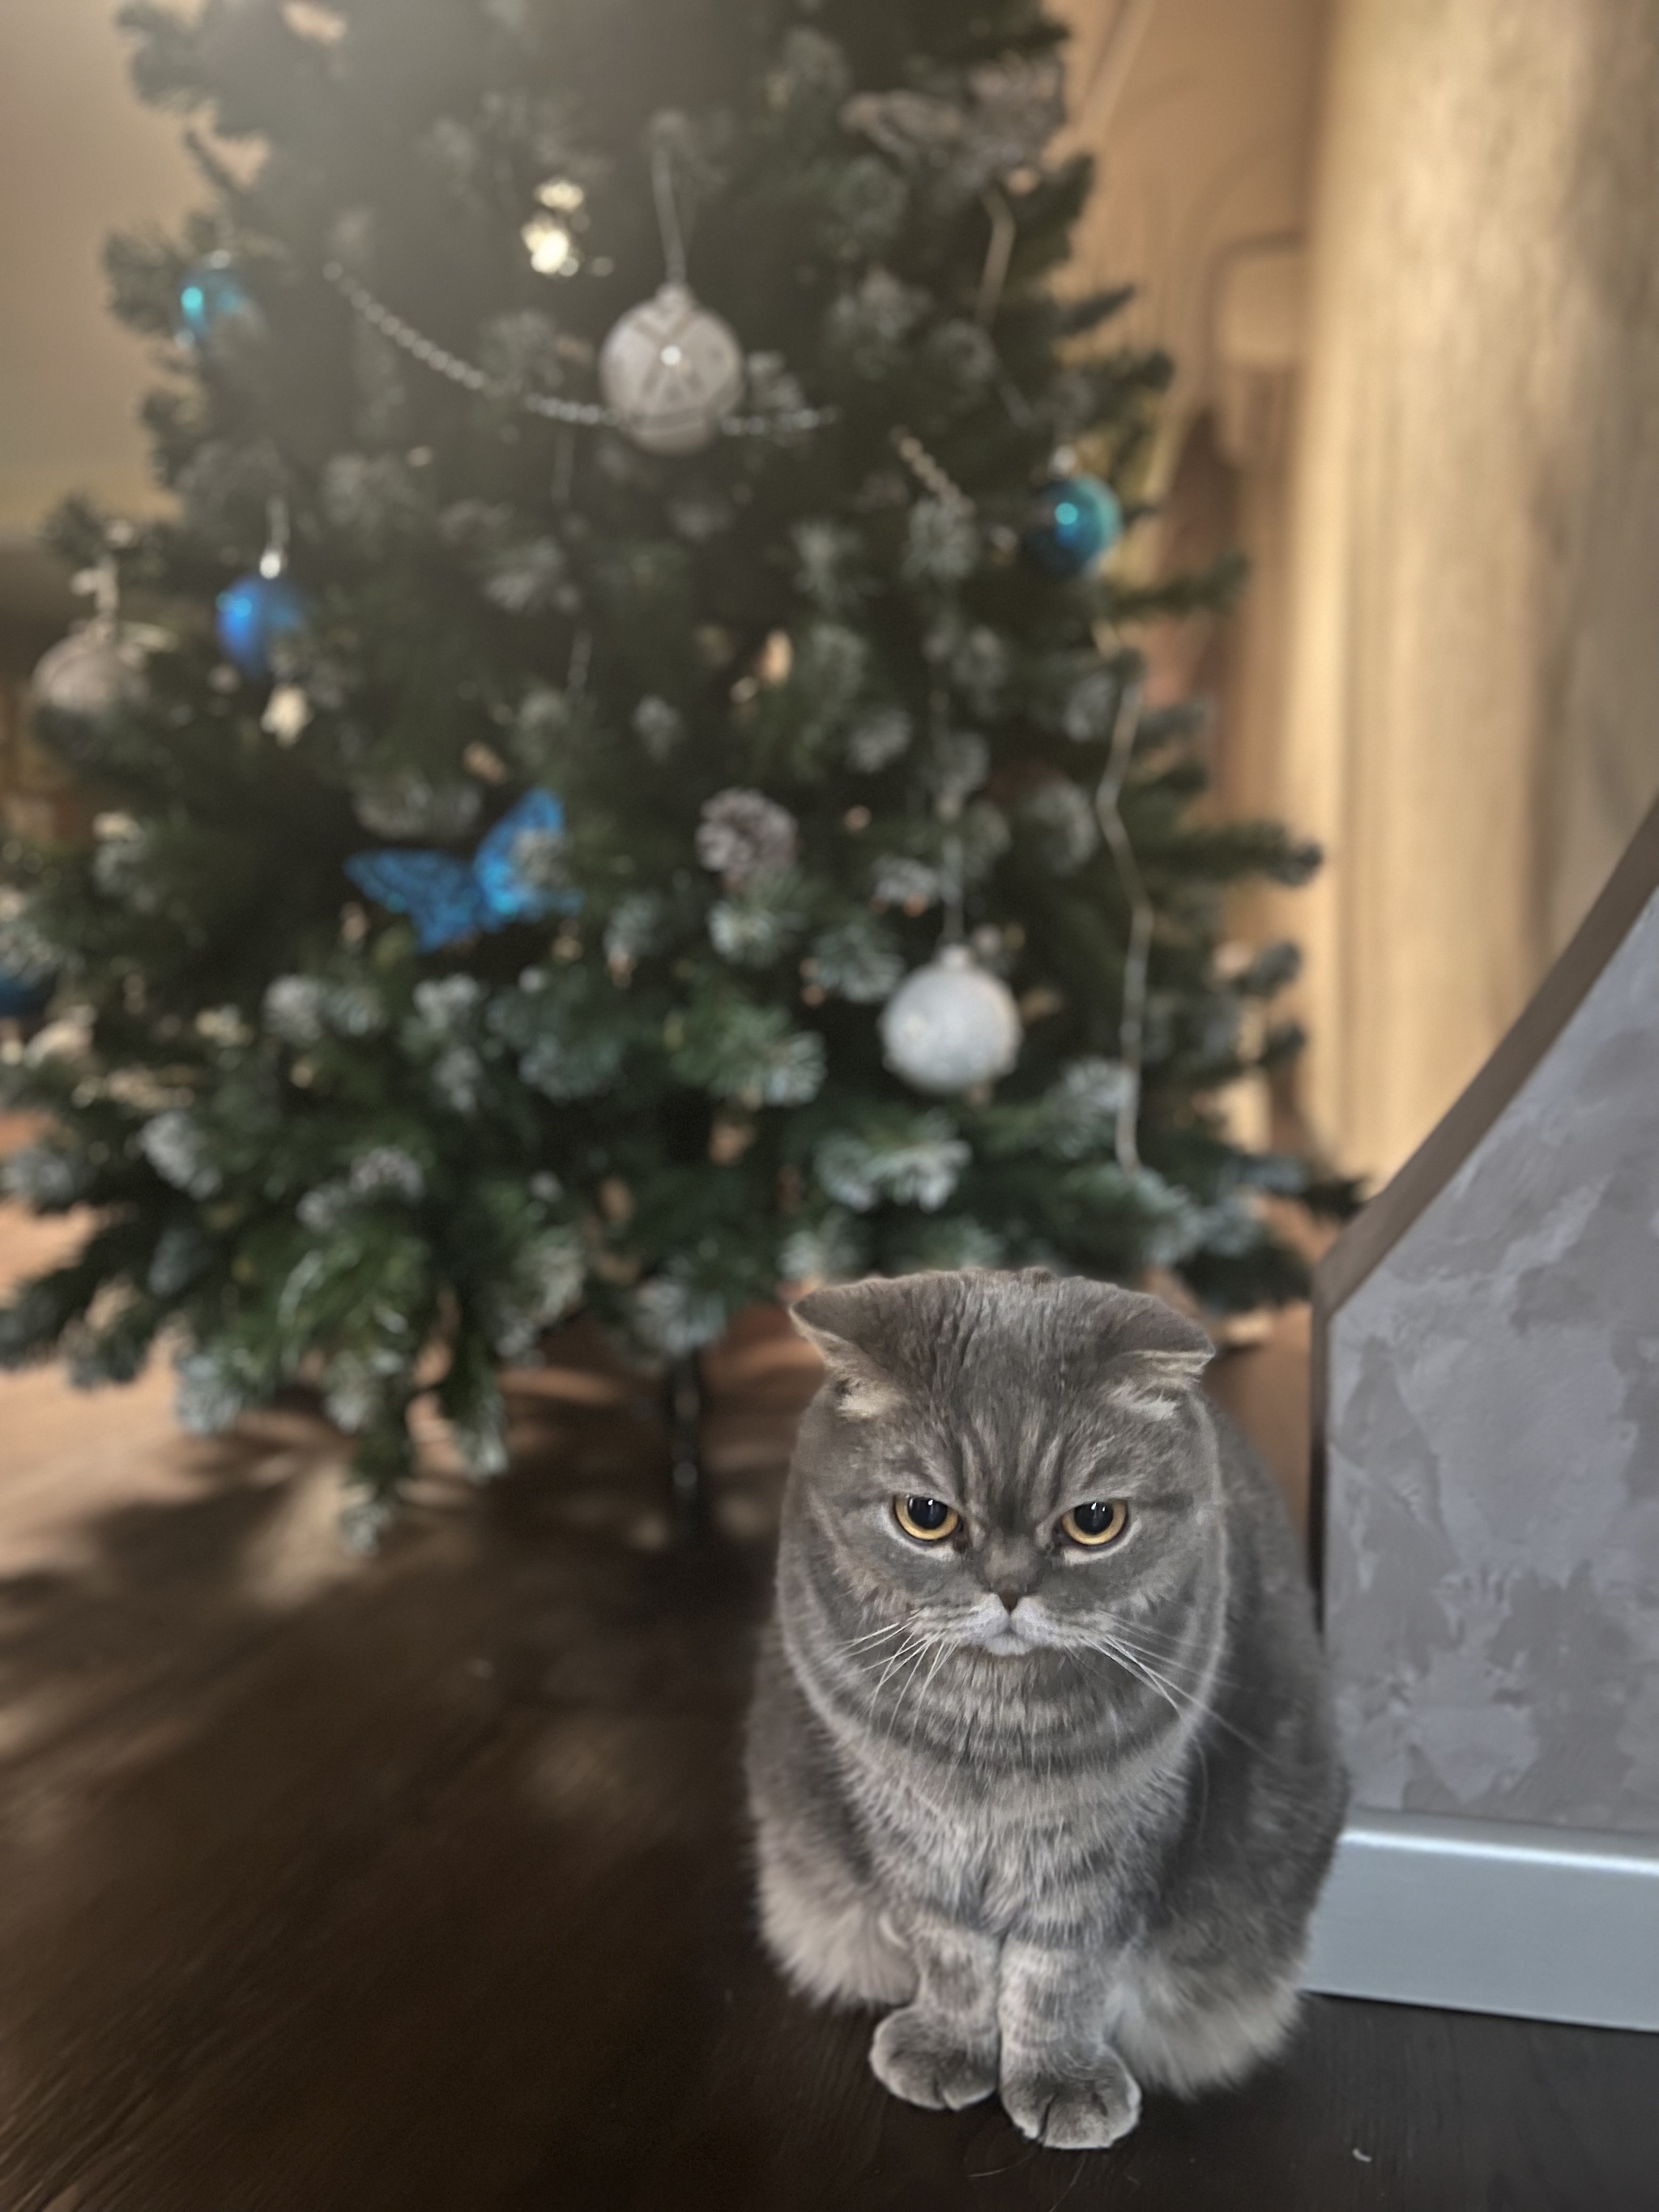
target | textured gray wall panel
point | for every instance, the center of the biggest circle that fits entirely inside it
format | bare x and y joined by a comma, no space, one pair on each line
1492,1579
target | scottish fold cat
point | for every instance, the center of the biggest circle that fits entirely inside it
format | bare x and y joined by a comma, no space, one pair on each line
1041,1757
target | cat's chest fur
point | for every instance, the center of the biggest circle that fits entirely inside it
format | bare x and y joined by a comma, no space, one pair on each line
1000,1851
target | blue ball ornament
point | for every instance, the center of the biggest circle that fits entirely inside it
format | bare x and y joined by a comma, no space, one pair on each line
22,997
211,296
254,615
1079,518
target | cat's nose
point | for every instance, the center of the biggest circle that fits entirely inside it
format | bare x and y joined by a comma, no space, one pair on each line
1010,1570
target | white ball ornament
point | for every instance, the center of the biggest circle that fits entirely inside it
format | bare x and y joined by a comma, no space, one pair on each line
671,372
949,1025
93,673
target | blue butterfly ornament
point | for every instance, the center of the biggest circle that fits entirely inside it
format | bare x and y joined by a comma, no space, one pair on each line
448,900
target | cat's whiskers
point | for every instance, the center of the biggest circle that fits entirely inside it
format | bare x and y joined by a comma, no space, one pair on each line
1202,1709
913,1643
875,1636
1169,1645
1111,1648
907,1684
1174,1694
1199,1670
1203,1673
946,1645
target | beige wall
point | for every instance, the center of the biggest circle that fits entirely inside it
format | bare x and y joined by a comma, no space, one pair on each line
1473,717
1202,119
78,157
1202,116
1441,425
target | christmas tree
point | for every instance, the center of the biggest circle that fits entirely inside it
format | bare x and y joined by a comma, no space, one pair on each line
633,789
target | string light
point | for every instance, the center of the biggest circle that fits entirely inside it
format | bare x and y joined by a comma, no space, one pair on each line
1131,1024
549,235
553,251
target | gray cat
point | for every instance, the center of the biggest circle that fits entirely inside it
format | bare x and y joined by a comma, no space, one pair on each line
1041,1754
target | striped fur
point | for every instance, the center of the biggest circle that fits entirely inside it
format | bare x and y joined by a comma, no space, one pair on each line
1067,1812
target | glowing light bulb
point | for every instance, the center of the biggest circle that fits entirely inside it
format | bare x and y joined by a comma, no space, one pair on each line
553,251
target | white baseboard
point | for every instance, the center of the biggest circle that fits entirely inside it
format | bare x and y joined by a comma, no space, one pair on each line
1487,1915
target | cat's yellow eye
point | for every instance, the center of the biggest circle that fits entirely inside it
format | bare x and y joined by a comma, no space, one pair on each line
1096,1524
929,1520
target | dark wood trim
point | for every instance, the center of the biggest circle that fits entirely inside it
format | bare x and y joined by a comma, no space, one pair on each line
1370,1238
1319,1402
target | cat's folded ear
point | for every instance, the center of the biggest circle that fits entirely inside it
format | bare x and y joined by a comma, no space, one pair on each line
1148,1352
857,1316
1154,1353
855,1326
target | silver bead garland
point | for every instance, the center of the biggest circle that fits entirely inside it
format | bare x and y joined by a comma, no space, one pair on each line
587,414
928,471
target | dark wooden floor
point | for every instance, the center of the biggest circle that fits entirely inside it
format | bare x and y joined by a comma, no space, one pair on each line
420,1887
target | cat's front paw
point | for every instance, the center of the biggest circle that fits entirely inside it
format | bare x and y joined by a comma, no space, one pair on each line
1073,2111
924,2060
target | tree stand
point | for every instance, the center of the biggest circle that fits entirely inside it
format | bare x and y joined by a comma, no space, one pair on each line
683,1401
